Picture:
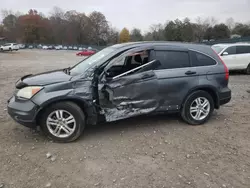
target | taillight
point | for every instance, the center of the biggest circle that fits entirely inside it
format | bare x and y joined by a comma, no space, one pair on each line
225,67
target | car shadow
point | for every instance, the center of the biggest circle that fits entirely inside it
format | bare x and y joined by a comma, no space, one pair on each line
237,72
140,122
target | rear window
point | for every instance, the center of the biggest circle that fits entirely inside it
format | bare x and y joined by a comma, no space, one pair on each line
199,59
242,49
172,59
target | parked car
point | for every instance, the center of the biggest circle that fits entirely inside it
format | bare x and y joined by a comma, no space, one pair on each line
9,47
31,46
75,48
236,56
39,46
22,46
59,47
123,81
70,48
45,47
50,47
65,47
86,53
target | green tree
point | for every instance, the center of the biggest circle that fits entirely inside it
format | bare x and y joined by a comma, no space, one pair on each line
10,24
173,31
124,35
221,31
136,35
241,29
209,33
187,30
148,36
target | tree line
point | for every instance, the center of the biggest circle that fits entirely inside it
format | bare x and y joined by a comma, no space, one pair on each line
72,27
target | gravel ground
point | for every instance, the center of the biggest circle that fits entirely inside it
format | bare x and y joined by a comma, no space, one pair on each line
158,151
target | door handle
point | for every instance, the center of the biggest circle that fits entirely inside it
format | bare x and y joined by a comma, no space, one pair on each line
190,72
146,76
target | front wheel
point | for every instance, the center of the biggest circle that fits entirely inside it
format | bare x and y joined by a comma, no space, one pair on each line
63,122
197,108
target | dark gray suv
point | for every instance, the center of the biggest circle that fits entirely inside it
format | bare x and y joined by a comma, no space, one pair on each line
122,81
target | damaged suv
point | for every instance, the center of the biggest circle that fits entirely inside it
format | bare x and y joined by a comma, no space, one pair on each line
122,81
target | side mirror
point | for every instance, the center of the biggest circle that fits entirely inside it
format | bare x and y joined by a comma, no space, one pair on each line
225,53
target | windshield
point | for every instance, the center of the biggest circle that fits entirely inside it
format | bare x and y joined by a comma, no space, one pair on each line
91,61
217,49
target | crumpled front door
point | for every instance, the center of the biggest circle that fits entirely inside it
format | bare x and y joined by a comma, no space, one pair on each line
129,96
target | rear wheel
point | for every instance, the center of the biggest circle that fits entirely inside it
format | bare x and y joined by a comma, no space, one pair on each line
10,49
63,122
197,108
248,69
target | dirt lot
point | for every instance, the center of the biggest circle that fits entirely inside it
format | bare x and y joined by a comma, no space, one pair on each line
157,151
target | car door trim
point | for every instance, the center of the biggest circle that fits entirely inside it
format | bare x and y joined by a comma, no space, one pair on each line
137,68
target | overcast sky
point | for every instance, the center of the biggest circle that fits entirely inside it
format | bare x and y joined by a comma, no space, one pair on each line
141,13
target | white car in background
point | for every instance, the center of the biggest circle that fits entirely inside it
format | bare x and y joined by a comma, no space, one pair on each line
45,47
236,56
9,47
59,47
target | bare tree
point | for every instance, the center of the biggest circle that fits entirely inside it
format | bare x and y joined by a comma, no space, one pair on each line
99,26
230,23
157,31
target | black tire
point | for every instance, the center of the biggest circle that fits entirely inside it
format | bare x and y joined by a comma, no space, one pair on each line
248,69
10,49
76,112
185,111
1,49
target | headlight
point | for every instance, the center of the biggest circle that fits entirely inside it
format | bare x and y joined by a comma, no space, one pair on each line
28,92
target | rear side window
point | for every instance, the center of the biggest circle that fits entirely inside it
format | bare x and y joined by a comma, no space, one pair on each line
231,50
199,59
172,59
242,49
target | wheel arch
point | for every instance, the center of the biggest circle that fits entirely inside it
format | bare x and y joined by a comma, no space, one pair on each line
209,89
88,109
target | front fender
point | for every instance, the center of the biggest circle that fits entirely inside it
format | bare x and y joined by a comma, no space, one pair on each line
43,99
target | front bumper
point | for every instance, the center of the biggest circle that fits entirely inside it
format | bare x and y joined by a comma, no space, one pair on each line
23,111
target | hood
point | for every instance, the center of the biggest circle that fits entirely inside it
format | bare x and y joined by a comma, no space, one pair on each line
42,79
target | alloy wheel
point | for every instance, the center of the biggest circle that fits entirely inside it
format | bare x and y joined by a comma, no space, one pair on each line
200,108
61,123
